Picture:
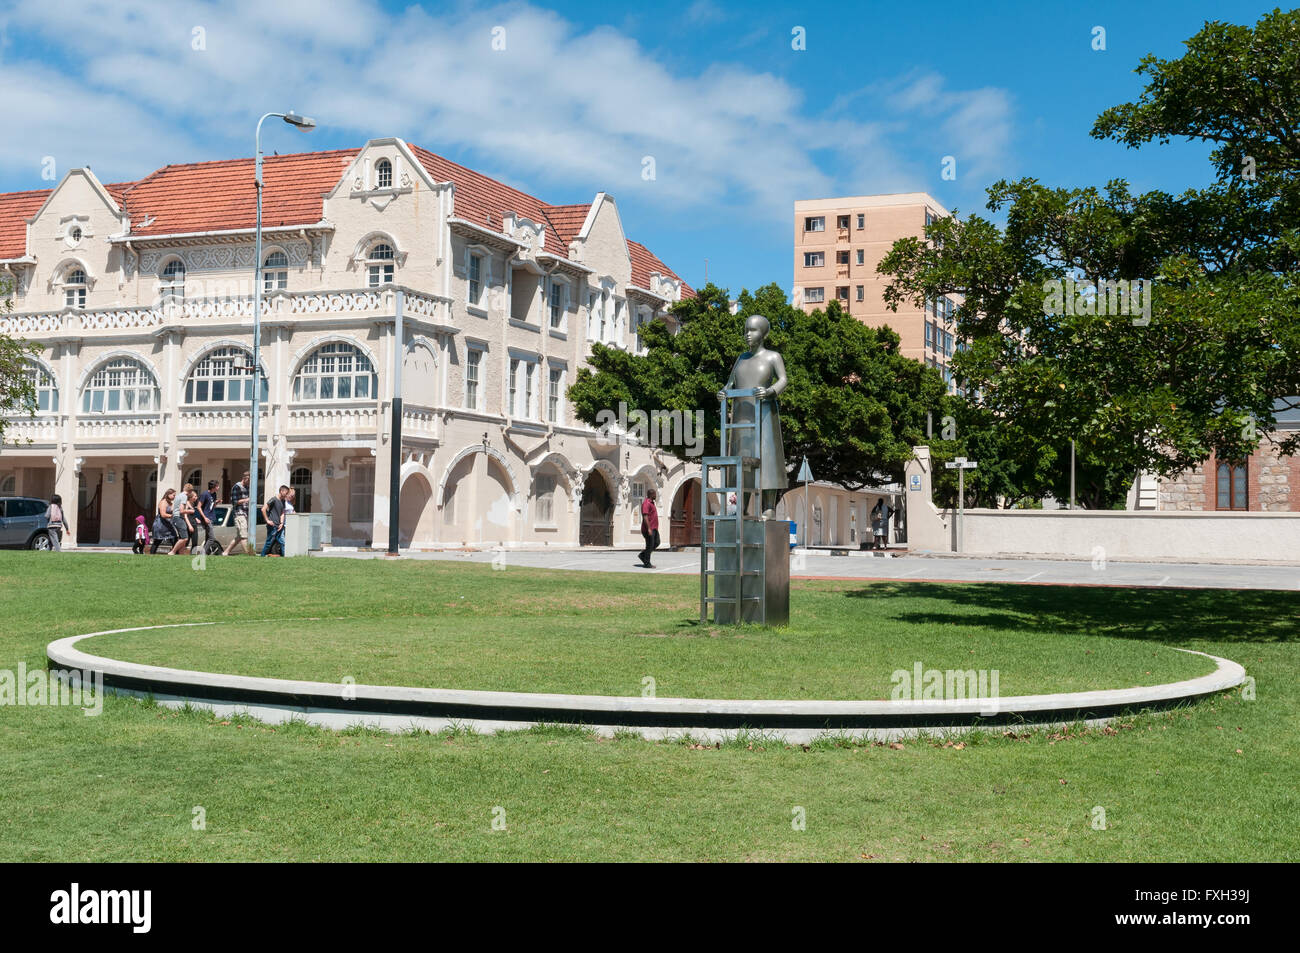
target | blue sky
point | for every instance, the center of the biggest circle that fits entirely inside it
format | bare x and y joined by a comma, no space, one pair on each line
738,123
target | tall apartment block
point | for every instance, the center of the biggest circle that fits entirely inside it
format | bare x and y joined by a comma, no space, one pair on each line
838,242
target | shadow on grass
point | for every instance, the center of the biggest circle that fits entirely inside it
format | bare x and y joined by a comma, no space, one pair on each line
1163,615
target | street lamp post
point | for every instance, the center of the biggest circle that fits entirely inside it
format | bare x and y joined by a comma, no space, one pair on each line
306,125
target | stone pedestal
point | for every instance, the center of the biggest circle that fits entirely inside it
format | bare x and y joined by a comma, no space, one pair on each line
766,580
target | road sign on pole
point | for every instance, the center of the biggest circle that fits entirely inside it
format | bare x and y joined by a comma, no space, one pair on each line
961,465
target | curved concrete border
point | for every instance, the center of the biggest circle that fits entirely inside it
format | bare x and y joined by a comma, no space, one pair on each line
335,705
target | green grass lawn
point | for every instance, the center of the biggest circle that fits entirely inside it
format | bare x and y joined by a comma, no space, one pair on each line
594,634
1213,782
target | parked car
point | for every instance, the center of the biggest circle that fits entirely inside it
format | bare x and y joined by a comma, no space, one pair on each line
223,525
23,524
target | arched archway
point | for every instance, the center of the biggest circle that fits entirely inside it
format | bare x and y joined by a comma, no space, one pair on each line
415,510
684,516
596,520
478,498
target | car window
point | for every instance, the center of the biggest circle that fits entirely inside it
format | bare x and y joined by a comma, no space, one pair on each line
219,515
31,507
3,504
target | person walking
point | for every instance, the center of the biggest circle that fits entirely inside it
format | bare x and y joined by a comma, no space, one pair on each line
164,524
273,512
54,523
880,514
205,512
141,536
189,510
239,500
649,527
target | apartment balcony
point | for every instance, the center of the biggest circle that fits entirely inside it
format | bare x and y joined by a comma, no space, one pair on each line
195,313
345,424
41,431
842,234
218,422
841,271
127,429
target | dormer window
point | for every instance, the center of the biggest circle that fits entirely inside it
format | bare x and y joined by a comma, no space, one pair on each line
275,272
383,174
379,266
172,286
74,289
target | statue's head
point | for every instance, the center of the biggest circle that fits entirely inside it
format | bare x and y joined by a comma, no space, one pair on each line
756,330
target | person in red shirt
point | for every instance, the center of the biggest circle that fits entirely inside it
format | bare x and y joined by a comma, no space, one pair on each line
649,527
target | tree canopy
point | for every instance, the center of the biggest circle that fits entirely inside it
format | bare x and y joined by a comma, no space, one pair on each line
1192,340
854,405
17,391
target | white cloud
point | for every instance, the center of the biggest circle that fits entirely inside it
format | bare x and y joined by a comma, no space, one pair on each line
564,109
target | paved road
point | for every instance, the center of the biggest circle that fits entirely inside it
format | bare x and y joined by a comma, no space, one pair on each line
911,568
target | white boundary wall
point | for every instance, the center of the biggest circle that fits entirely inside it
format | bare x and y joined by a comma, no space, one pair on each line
1093,534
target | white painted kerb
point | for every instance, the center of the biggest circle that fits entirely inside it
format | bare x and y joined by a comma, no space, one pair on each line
352,709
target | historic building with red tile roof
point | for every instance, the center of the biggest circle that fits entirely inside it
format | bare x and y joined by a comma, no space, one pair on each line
140,295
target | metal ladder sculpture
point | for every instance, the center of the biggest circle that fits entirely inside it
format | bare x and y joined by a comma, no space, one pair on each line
739,475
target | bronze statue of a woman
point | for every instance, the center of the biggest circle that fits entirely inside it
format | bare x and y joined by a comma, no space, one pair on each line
761,368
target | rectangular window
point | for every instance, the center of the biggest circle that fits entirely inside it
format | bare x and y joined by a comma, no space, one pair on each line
842,257
554,387
842,292
1231,489
512,389
475,279
815,223
361,493
473,361
861,291
557,304
862,257
842,221
814,295
530,390
929,334
862,220
814,259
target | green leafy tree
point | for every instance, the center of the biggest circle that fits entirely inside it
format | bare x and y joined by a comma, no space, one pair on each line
17,391
854,405
1215,346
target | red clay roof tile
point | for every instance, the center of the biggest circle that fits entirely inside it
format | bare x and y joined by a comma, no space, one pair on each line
15,209
219,196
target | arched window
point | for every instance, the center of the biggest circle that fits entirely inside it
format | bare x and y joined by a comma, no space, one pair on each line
195,478
335,371
275,272
300,483
123,385
47,392
383,174
220,378
379,265
172,286
8,486
74,289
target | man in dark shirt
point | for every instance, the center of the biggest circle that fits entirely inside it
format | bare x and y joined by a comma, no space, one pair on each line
207,500
273,512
